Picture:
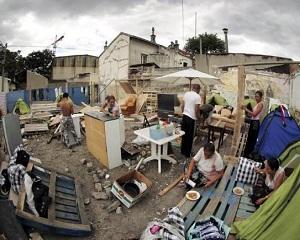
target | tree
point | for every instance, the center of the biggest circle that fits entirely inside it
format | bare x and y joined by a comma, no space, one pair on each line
14,63
210,44
40,62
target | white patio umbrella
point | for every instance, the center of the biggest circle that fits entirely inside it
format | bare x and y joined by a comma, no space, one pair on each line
194,76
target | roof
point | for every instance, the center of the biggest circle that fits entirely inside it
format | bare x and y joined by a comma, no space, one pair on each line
252,54
181,52
145,64
78,55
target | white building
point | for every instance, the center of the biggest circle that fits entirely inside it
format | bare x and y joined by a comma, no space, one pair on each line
127,50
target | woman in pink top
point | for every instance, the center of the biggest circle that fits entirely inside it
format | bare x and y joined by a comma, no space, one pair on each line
254,123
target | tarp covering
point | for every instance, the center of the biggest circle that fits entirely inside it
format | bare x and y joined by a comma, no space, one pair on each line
277,131
290,153
21,107
278,218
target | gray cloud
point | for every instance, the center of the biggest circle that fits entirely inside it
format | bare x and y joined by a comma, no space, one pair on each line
269,24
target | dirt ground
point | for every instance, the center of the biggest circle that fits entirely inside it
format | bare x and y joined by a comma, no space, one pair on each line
131,222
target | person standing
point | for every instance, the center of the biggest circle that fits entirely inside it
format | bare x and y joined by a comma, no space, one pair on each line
67,125
191,112
254,123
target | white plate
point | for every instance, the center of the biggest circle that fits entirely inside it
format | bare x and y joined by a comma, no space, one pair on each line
192,192
238,191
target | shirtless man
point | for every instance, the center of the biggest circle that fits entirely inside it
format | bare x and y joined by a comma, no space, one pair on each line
65,105
67,126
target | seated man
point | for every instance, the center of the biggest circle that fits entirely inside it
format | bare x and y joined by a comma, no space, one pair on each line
209,166
17,176
273,175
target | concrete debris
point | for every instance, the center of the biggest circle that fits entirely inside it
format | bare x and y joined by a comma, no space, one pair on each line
89,166
83,161
119,210
98,187
107,184
108,192
143,153
158,213
112,207
36,236
107,176
67,170
100,195
127,163
87,201
101,174
96,178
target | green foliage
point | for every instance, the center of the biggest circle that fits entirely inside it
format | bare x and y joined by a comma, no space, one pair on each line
210,44
38,61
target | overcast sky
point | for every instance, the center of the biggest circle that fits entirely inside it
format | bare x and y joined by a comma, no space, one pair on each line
258,26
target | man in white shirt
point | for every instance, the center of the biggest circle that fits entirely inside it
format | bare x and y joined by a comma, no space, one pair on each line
209,166
191,112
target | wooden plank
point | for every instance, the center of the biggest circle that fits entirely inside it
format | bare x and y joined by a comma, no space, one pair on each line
65,208
52,193
217,195
65,190
65,196
80,206
68,216
21,199
225,198
247,207
59,227
234,199
198,206
66,202
171,186
240,100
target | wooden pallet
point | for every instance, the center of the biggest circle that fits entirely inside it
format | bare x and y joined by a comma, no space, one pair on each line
36,128
65,214
217,200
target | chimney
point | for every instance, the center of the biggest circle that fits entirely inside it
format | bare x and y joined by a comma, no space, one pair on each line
153,36
225,30
105,45
176,45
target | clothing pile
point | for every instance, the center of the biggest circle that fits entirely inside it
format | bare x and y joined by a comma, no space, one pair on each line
170,228
15,176
211,228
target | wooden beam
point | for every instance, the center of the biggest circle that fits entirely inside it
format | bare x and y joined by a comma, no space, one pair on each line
240,100
172,185
52,190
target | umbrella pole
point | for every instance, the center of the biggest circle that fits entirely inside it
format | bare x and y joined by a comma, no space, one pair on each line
190,84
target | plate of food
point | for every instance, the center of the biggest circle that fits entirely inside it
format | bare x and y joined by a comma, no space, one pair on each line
192,195
238,191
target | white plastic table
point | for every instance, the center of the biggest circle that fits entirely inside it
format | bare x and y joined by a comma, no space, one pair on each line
159,148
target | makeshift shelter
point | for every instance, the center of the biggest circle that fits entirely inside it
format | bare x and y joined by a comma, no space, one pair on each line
290,153
277,218
277,132
21,107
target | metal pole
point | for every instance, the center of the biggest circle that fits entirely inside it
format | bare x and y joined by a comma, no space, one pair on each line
195,24
200,42
3,64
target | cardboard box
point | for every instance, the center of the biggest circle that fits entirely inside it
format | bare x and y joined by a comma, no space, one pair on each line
125,197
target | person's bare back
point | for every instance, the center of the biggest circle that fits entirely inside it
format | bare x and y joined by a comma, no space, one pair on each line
66,107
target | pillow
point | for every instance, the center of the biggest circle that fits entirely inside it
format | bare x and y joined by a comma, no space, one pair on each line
246,172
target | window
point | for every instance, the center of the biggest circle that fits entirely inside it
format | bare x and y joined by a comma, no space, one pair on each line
84,62
144,58
184,64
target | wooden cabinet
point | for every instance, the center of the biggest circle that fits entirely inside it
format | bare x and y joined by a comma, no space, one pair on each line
103,138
